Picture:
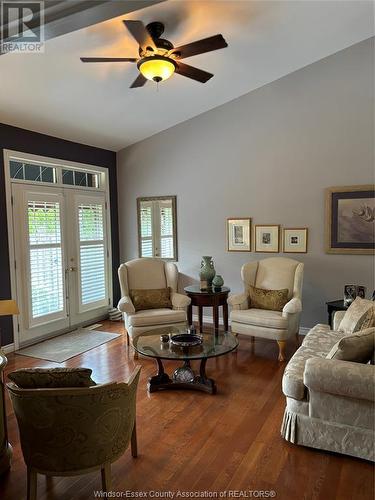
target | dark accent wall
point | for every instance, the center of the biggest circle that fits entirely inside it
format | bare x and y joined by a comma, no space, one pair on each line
26,141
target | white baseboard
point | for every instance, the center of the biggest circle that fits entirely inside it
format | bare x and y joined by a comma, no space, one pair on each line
209,319
8,348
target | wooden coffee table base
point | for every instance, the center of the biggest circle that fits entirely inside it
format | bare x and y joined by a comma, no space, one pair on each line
183,378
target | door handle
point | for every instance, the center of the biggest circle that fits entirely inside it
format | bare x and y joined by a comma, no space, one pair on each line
71,269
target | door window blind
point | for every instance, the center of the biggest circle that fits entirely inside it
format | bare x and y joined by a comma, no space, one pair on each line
92,253
45,258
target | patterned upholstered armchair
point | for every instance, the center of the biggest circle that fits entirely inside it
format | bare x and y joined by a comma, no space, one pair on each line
147,274
75,430
274,273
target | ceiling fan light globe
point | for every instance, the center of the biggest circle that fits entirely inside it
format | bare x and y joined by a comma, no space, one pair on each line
157,69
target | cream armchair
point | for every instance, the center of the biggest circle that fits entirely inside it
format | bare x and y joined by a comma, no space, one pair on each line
272,274
150,273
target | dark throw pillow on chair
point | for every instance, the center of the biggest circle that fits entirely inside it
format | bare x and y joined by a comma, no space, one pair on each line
158,298
38,378
272,300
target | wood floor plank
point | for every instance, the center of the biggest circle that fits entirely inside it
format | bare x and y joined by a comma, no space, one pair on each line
191,441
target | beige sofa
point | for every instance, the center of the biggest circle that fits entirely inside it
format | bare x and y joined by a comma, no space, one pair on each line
329,402
273,273
150,273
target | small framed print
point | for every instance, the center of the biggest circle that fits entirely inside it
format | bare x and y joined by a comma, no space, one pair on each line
295,240
267,238
239,235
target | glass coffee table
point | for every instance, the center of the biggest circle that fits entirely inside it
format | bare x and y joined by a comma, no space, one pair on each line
150,344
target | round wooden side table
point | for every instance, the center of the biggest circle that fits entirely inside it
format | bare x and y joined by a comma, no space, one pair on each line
208,298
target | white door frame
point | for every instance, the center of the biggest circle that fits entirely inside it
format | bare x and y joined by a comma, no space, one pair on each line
104,187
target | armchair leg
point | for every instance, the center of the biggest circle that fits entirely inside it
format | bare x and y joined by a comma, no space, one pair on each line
127,339
282,344
106,478
31,484
134,445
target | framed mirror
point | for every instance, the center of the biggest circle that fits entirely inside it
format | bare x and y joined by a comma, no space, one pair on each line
157,227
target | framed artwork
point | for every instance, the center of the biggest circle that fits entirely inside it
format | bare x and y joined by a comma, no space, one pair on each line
295,239
350,219
239,235
267,238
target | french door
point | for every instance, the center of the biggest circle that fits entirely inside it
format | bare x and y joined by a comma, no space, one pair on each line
61,258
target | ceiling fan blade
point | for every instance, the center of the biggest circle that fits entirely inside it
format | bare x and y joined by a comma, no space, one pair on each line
107,59
139,32
139,81
194,73
200,46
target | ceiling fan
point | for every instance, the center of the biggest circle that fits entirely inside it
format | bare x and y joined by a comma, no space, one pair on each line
158,58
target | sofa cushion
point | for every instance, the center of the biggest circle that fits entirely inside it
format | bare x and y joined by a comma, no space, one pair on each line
153,317
33,378
292,383
359,316
158,298
322,337
260,317
272,300
358,347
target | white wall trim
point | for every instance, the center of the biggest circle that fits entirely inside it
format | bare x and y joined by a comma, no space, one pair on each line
8,348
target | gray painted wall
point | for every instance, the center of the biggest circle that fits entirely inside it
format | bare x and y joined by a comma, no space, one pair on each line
268,155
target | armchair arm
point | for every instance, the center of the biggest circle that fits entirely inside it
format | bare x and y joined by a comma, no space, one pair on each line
238,301
293,306
125,305
180,301
337,318
342,378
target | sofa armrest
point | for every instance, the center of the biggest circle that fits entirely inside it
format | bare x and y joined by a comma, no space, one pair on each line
238,301
337,318
293,306
342,378
180,301
125,305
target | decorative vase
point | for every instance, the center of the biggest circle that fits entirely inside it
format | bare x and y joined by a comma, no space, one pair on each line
207,271
218,281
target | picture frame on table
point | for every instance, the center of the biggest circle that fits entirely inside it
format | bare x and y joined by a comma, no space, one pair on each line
239,234
267,238
295,239
350,219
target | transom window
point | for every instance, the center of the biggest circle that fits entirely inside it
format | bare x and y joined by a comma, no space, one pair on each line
39,172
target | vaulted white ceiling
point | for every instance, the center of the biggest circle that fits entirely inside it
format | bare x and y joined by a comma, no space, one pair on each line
56,94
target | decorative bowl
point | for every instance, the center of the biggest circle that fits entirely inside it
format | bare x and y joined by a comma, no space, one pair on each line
186,339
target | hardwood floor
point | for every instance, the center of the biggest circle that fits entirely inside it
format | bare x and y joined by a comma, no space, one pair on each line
191,441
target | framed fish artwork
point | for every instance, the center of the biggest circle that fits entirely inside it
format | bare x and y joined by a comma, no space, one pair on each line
350,219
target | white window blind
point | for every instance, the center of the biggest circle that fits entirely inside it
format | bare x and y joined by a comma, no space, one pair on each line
92,253
166,229
45,258
146,230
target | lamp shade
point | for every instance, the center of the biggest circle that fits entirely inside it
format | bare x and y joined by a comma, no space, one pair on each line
8,307
156,68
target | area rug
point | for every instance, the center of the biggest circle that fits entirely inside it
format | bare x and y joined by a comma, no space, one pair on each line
68,345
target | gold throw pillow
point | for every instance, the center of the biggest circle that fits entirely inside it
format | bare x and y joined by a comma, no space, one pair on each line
158,298
272,300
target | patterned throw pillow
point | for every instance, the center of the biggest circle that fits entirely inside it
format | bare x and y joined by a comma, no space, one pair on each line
358,347
158,298
37,378
359,316
273,300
